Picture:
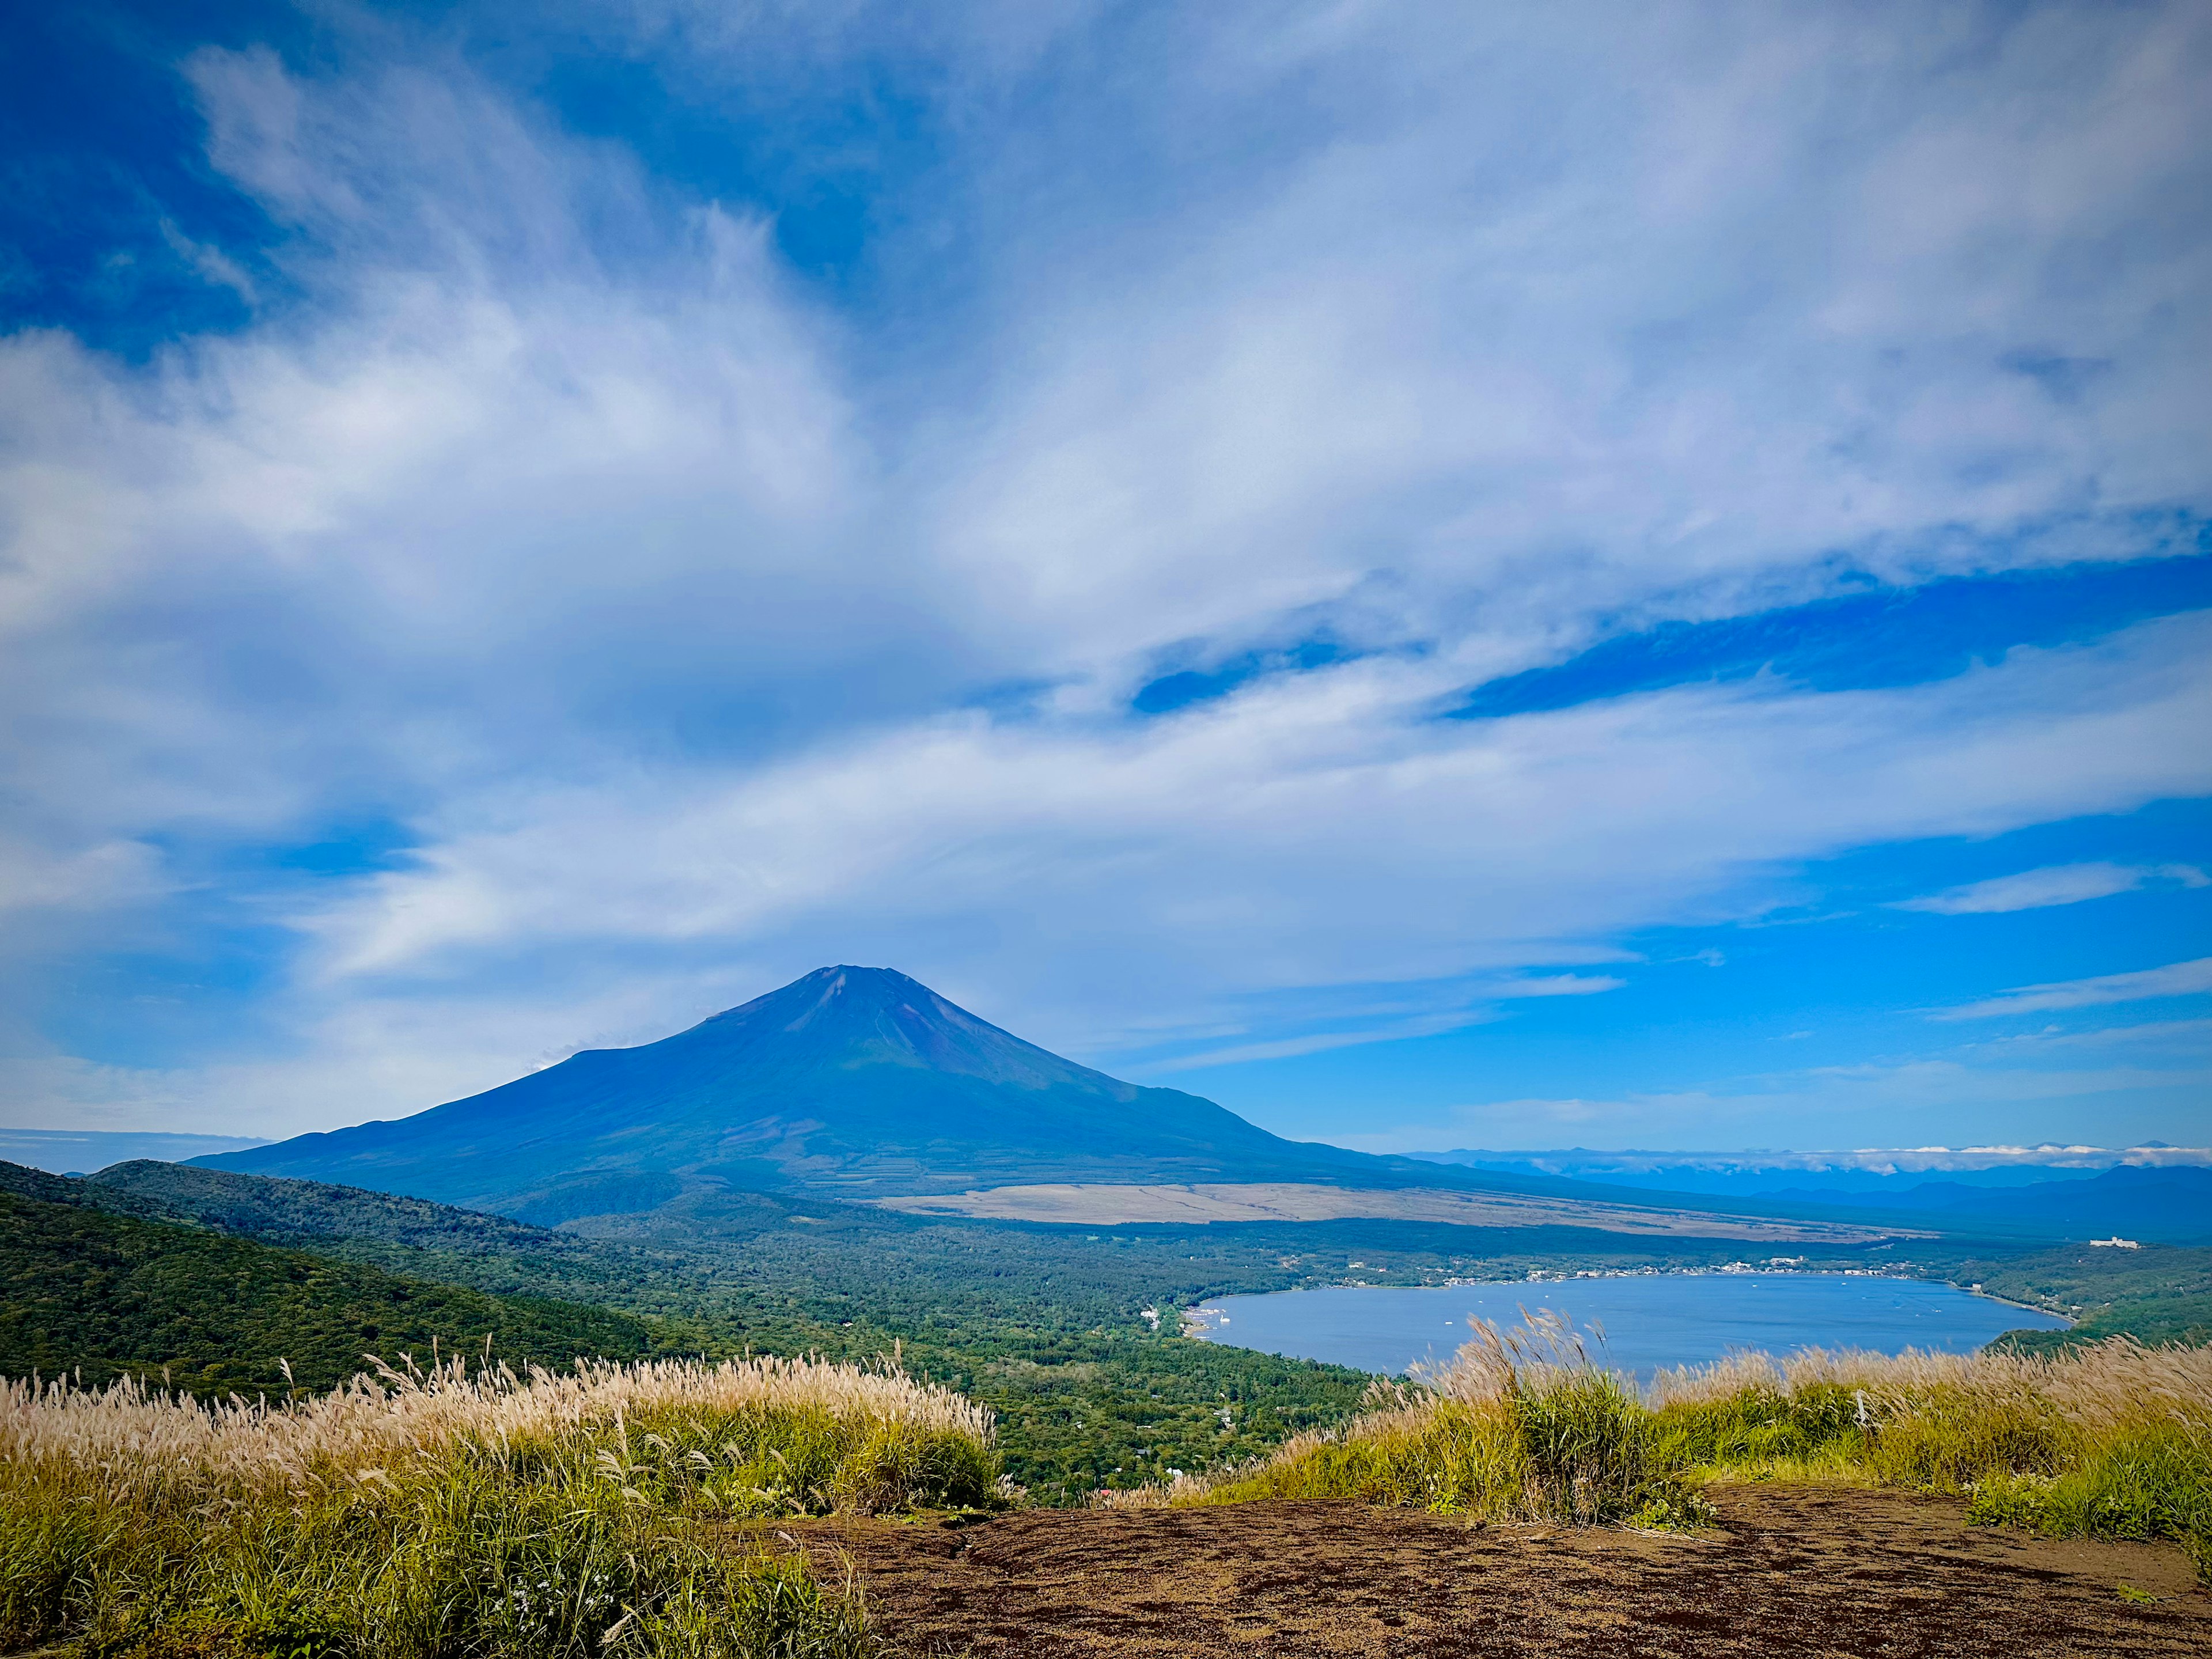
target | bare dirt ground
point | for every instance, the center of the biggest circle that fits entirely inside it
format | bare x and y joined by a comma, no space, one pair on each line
1790,1572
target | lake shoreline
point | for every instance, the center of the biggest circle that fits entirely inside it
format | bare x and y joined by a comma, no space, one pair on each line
1586,1274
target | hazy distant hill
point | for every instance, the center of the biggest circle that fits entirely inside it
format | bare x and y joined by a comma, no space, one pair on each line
284,1212
851,1082
406,1236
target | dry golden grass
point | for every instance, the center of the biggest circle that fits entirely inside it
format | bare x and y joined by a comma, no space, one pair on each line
416,1515
133,1434
2103,1386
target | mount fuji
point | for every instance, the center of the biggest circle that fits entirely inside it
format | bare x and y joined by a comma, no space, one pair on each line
856,1083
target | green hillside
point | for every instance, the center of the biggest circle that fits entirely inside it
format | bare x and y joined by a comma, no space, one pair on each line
411,1236
98,1294
2161,1293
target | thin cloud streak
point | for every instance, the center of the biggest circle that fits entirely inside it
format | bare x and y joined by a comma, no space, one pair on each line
1319,1043
1421,1025
2175,979
2166,1033
2066,883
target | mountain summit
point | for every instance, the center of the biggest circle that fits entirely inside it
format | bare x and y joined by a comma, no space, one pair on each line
855,1082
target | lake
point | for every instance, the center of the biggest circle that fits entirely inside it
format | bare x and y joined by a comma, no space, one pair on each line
1649,1321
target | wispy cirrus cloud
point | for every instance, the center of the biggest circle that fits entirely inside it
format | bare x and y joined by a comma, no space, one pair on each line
2174,980
2193,1034
2063,884
1435,1023
1318,1042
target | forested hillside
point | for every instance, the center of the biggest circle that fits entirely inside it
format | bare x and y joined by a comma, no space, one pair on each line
2157,1294
91,1292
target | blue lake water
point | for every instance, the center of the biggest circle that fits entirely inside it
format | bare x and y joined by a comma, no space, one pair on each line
1651,1321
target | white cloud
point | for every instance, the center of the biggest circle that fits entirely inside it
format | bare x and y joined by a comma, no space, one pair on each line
1423,849
1556,985
1316,1043
1482,1010
1434,350
209,262
2063,883
99,878
2175,979
557,533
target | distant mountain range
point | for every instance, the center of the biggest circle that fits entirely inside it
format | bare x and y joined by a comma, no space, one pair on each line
854,1083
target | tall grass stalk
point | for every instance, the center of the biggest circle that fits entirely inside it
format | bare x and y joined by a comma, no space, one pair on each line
419,1514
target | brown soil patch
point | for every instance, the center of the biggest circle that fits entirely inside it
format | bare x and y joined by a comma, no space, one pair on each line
1790,1572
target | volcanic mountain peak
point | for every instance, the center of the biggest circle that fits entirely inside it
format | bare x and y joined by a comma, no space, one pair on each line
861,1016
848,1080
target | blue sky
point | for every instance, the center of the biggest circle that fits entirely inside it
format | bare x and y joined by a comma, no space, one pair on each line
1503,578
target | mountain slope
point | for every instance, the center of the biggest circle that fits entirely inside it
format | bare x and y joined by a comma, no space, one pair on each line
851,1082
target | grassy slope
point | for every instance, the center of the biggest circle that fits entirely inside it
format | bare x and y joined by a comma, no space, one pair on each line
83,1289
